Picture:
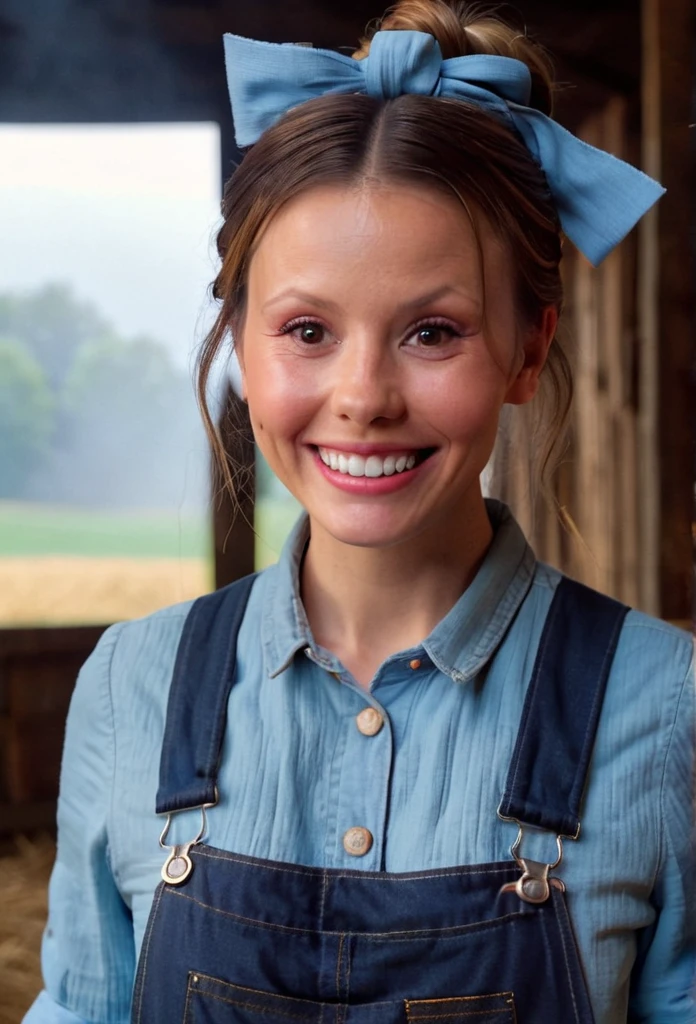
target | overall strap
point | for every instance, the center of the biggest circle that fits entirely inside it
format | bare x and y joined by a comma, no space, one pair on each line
546,779
204,673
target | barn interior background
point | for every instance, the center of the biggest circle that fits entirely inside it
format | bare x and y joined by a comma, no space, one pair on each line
80,547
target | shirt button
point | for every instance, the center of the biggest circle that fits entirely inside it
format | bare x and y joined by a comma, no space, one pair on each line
416,663
369,721
357,841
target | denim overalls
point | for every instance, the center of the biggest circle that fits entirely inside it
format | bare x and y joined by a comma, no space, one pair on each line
239,940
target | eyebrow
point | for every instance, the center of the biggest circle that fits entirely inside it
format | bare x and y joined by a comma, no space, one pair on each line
421,300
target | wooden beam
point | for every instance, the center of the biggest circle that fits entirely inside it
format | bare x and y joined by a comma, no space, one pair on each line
234,516
17,641
667,312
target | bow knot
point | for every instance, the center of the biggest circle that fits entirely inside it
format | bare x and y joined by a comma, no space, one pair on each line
408,64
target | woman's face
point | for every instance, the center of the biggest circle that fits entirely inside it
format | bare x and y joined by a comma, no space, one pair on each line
374,386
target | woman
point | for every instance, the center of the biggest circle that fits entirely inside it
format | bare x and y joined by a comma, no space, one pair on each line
373,722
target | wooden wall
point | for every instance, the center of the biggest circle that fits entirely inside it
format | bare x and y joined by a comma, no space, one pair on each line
36,683
626,478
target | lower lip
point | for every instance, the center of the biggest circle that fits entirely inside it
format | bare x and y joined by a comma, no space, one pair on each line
369,485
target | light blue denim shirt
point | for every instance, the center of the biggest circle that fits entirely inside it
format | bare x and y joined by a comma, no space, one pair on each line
297,773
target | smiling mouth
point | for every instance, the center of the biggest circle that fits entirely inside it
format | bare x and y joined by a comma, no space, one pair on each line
373,466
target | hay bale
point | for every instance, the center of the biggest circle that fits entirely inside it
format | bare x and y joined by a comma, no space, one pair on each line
24,872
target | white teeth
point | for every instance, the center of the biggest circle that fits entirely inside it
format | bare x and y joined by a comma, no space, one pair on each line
373,466
356,465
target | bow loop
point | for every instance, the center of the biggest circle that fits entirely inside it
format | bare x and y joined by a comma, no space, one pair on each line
508,79
408,63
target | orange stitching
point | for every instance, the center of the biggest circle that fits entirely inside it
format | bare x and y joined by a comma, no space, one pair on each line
461,999
453,932
259,1008
188,998
407,876
453,1014
150,929
348,970
444,934
338,966
467,1013
560,906
254,991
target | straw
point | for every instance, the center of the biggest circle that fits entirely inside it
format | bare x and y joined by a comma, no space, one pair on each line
24,872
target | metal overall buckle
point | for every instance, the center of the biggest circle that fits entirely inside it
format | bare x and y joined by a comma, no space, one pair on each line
534,884
178,865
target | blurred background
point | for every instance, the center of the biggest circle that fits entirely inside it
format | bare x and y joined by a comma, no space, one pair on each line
115,138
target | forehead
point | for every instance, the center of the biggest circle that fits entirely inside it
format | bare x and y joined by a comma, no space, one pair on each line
377,237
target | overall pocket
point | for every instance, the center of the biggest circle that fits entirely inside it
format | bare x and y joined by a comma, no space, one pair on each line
493,1009
212,1001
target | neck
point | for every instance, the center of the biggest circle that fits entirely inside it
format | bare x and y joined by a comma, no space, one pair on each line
362,604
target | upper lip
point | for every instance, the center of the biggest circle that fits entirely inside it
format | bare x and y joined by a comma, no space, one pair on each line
363,448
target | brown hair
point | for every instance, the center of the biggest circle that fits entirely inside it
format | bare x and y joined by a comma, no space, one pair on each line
447,144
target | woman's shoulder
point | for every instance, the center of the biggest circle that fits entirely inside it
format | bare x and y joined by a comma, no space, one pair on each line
648,646
138,655
135,638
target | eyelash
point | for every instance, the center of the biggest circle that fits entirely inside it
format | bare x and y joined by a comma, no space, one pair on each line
438,322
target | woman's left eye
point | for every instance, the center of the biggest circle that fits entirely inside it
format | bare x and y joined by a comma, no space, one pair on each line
430,335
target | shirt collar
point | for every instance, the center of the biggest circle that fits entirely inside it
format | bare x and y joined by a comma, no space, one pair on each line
285,629
460,644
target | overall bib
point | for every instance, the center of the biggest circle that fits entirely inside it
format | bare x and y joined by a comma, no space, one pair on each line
238,940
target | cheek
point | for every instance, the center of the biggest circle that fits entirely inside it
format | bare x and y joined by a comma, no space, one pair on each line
462,404
281,400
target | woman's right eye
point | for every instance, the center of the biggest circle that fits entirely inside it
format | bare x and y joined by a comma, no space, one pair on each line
309,332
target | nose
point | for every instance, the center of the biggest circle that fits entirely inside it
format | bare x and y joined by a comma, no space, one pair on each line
367,386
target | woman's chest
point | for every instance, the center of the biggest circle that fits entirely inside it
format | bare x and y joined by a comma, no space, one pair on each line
400,782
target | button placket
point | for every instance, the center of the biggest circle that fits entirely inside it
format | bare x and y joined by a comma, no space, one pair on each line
358,826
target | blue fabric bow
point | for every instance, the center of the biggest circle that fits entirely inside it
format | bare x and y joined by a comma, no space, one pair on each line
599,197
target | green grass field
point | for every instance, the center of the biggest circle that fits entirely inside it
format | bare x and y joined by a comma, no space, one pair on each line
28,530
34,529
61,566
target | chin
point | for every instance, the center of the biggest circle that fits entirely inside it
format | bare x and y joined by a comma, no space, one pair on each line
368,529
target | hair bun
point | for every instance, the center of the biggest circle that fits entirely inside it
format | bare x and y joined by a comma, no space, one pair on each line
462,29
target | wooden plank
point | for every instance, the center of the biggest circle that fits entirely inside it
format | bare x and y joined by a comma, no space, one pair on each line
667,311
63,639
617,289
38,669
38,815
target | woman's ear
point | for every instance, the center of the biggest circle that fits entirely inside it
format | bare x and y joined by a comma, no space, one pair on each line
537,343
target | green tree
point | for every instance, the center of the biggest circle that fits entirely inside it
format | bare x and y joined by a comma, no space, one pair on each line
129,419
27,418
52,325
131,382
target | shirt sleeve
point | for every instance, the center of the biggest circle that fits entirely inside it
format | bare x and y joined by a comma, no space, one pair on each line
664,986
88,956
